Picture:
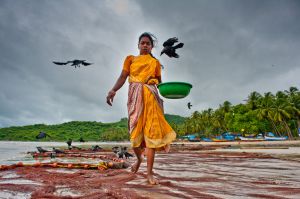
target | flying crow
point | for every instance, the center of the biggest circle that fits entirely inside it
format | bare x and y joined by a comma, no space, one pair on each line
75,63
189,105
169,49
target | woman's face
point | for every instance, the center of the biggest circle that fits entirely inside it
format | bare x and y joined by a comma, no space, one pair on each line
145,46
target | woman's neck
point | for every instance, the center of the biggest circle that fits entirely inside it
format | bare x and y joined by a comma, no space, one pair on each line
144,54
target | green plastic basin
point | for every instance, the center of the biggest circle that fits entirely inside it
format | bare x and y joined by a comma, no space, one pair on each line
174,90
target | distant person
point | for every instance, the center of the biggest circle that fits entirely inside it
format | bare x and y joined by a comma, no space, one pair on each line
147,125
69,143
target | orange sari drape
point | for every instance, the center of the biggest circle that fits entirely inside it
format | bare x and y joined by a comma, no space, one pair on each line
146,121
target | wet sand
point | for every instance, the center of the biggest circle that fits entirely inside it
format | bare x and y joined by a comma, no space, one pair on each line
189,171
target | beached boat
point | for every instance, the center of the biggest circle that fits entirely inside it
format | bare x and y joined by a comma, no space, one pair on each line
218,140
229,137
194,138
251,138
191,138
206,139
273,138
224,137
270,136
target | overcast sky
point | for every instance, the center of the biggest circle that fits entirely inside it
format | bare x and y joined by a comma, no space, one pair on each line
232,47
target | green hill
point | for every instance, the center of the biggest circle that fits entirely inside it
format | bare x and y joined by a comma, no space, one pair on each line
175,119
88,130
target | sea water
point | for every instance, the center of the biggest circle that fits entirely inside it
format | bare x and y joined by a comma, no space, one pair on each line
12,152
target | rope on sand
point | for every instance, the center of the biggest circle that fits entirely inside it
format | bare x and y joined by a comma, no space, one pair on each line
35,154
100,166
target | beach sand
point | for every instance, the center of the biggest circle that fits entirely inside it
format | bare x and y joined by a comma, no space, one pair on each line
190,170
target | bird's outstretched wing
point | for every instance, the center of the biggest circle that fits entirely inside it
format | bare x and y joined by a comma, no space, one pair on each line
170,41
60,63
180,45
86,63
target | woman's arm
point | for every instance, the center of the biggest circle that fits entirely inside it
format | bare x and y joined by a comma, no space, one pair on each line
120,82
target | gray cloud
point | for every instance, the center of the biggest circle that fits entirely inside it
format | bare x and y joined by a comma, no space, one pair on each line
231,49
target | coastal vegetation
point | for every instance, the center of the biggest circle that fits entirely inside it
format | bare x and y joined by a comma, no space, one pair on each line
87,130
276,112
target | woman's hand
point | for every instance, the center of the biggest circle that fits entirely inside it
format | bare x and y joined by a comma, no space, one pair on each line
110,97
121,80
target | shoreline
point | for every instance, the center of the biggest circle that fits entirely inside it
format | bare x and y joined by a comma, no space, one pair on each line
243,143
190,170
236,142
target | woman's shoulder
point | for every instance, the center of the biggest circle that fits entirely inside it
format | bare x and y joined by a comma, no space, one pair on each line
129,57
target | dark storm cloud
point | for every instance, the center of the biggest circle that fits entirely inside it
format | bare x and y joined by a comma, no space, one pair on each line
231,49
35,33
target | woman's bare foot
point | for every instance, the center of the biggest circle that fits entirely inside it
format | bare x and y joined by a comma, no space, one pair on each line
152,180
135,167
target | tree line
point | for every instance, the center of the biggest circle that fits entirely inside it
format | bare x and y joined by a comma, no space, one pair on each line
278,113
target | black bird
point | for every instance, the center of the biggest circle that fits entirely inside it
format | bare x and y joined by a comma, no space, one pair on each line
96,148
118,151
121,152
189,105
126,153
76,147
42,135
75,63
57,150
41,150
169,49
52,155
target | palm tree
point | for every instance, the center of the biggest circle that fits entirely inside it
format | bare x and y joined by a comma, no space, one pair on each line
294,100
281,112
253,100
265,110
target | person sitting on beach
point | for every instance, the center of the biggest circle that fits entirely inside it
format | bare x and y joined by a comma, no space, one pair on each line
147,124
69,143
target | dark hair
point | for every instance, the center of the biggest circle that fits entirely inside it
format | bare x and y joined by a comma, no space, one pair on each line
152,39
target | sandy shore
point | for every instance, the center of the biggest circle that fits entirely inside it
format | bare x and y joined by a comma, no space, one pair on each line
188,171
243,143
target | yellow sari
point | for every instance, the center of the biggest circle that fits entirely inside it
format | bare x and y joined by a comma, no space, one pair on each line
146,121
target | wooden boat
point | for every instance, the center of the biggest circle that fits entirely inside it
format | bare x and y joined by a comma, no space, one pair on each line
206,139
251,138
273,138
218,140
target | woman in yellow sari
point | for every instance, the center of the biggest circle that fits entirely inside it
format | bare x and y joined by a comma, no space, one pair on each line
146,122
